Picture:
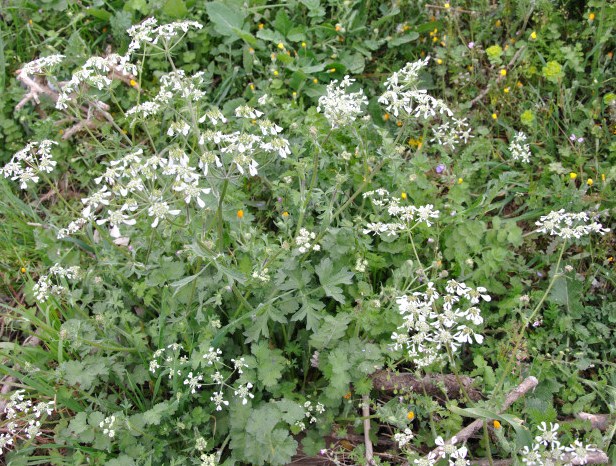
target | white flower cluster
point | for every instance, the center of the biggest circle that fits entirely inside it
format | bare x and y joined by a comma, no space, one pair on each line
403,438
261,275
172,361
312,409
95,73
40,65
148,32
208,460
519,149
44,287
407,217
26,164
172,85
548,451
339,106
435,324
108,426
21,417
568,225
446,450
403,97
304,241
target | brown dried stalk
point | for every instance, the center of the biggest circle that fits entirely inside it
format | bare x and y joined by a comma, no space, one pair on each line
431,384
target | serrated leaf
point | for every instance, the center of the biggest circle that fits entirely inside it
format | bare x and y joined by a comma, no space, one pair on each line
270,363
331,329
309,312
330,279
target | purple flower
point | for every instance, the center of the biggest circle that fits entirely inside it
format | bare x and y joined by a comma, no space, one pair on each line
572,137
580,140
440,168
471,45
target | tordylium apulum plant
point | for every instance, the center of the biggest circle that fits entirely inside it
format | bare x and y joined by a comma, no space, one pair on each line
226,285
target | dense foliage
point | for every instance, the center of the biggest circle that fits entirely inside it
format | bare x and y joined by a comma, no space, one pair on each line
222,221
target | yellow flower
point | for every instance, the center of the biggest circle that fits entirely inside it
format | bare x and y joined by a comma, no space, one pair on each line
498,23
251,51
603,177
61,132
503,72
460,180
331,70
398,123
494,116
533,35
347,396
240,214
506,90
22,270
386,117
304,44
261,25
447,6
403,196
280,46
497,425
251,86
573,175
591,17
439,61
519,84
410,415
338,27
589,181
315,80
30,22
294,94
285,214
133,82
275,72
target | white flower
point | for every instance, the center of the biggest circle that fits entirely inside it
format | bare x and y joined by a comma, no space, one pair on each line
340,107
403,438
548,435
161,211
218,400
568,225
519,150
243,392
193,382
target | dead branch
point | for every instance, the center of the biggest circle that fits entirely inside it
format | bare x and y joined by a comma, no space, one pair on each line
365,410
597,421
431,384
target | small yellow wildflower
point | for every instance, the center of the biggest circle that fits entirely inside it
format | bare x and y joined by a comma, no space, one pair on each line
280,45
315,80
61,132
503,72
275,72
591,17
30,22
573,175
498,23
240,214
469,67
294,94
251,51
133,82
22,270
331,70
439,61
460,180
519,84
447,6
494,116
603,177
398,123
410,415
435,39
347,396
386,117
506,90
533,35
285,214
304,45
589,181
497,425
251,86
403,195
261,25
338,27
124,131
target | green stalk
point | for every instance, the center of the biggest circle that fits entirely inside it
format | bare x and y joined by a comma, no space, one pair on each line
219,219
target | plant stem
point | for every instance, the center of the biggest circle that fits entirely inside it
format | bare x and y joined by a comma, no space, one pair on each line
219,219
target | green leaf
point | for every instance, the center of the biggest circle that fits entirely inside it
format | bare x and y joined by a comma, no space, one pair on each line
309,312
332,328
411,36
330,279
225,18
175,8
270,363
